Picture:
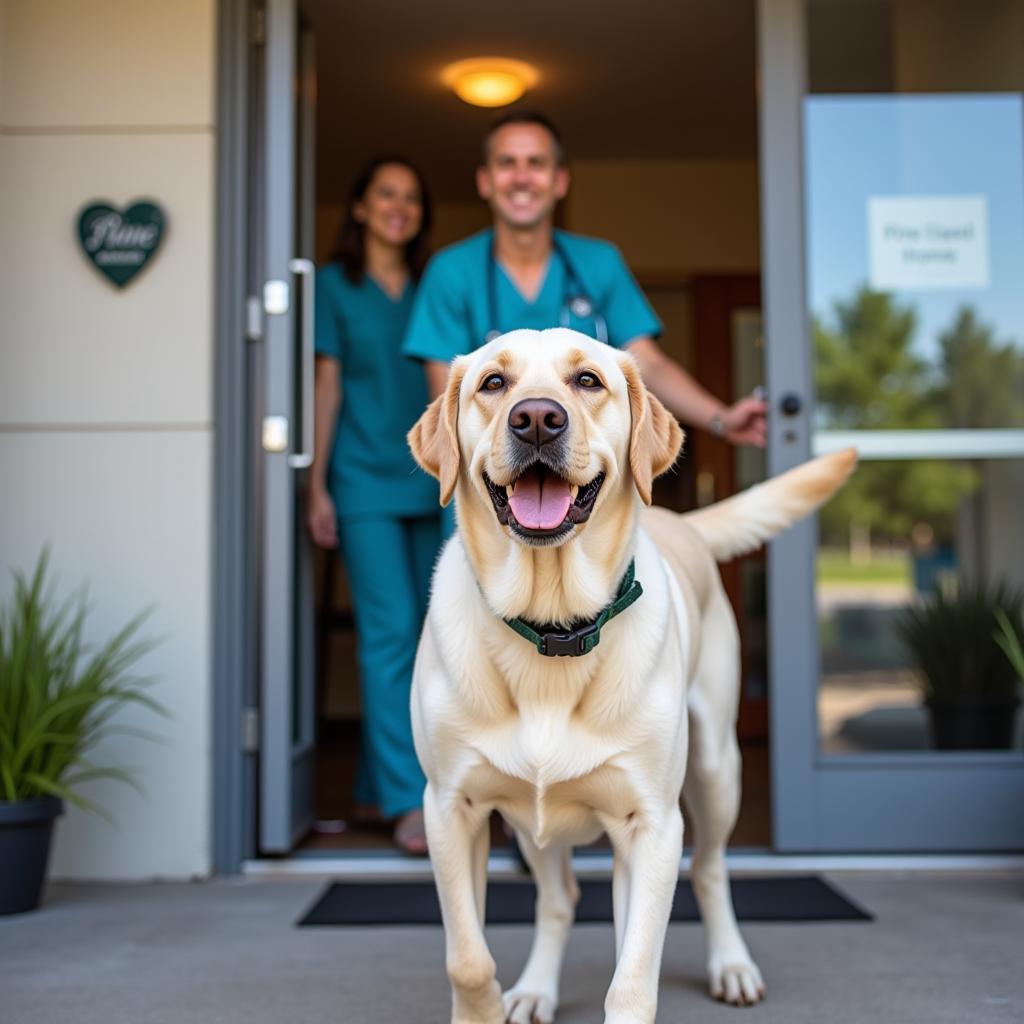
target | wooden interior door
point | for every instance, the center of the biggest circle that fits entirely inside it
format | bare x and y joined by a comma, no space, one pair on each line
724,308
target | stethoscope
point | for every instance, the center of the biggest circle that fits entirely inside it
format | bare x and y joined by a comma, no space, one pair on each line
575,301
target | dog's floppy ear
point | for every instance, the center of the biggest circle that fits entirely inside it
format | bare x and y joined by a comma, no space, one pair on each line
655,437
434,438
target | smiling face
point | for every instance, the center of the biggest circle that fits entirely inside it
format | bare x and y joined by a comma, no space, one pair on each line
392,207
545,431
542,430
522,180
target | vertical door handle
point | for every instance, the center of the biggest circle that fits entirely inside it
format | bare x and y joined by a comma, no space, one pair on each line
305,269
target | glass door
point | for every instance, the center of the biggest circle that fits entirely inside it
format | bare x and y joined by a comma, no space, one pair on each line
893,169
284,150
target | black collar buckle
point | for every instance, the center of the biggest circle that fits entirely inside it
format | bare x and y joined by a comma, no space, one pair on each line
572,644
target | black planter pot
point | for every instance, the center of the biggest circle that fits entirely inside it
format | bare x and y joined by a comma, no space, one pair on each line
972,723
26,828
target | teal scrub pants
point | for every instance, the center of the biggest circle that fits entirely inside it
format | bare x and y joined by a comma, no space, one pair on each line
389,563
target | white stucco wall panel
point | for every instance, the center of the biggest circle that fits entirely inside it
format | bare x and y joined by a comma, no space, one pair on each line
129,514
72,63
76,348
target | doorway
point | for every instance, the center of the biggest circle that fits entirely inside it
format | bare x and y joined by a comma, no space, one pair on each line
668,175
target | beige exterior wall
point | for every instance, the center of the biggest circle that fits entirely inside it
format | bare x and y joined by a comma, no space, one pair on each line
106,394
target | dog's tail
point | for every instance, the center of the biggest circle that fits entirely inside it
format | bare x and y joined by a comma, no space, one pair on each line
745,521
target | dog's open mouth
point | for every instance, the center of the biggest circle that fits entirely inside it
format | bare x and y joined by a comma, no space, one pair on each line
540,503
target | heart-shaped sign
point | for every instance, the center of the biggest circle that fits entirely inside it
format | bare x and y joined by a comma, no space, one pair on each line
120,244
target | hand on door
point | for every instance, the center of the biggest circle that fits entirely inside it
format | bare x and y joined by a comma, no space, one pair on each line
744,422
323,519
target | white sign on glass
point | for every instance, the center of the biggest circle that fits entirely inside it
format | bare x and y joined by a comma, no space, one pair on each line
928,242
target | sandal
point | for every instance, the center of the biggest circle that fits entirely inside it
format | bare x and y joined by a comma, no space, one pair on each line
411,833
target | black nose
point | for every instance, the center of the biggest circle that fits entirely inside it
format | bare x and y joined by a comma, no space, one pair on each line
537,421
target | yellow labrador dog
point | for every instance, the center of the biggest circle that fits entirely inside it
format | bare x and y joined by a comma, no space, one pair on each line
579,667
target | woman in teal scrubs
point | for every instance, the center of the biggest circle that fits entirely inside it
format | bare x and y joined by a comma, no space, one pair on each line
367,496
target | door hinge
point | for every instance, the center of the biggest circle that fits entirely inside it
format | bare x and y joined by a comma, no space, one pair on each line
258,26
250,730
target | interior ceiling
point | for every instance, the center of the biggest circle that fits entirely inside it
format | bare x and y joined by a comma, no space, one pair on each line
648,79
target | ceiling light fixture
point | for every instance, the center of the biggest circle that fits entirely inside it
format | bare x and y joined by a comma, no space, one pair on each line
489,81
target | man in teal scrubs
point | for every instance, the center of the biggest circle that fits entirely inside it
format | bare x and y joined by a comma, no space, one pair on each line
523,272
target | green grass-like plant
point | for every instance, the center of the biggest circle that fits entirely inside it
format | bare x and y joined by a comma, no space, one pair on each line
58,695
953,640
1009,639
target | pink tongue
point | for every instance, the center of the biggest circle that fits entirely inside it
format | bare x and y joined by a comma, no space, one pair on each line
540,506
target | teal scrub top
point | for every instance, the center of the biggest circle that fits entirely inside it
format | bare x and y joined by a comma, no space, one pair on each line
371,471
451,312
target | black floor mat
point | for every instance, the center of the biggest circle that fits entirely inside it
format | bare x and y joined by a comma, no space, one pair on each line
783,898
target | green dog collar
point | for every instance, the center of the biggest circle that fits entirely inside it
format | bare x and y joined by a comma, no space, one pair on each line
556,643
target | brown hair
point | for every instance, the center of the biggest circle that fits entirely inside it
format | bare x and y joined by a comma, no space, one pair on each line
525,116
350,246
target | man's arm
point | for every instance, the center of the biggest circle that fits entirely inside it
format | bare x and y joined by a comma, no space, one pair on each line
437,377
633,324
440,324
742,423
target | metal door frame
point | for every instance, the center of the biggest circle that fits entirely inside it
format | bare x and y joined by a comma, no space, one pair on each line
234,661
287,740
832,804
243,732
800,822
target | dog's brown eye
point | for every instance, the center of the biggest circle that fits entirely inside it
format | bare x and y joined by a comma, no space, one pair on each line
588,380
495,382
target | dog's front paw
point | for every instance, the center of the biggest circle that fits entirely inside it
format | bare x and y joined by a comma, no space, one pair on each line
738,983
523,1007
478,1005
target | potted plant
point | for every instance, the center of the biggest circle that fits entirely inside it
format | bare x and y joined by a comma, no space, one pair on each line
970,686
1009,638
57,698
